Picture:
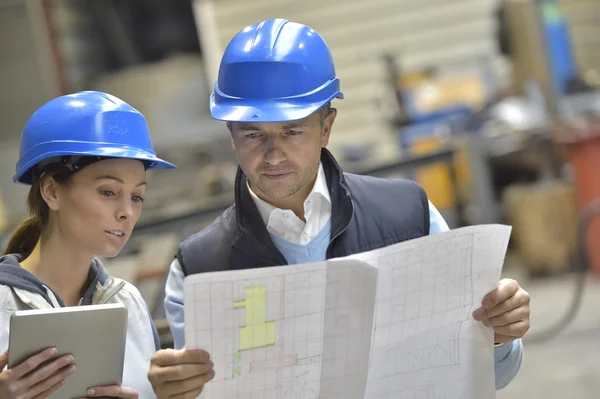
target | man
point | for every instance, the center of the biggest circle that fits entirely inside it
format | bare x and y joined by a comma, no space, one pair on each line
293,204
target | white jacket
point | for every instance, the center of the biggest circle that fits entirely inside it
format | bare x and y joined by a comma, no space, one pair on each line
142,339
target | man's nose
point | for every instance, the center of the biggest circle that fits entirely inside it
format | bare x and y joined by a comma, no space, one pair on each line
274,155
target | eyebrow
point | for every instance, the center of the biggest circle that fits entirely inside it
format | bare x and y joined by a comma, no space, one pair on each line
255,128
248,128
294,124
109,177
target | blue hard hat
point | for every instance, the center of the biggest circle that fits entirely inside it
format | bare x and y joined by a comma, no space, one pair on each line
85,124
274,71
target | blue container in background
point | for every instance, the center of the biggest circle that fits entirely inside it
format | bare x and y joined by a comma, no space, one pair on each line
558,44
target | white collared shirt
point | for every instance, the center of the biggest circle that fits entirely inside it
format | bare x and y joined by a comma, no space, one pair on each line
284,224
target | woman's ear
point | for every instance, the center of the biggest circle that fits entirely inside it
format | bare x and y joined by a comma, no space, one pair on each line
49,191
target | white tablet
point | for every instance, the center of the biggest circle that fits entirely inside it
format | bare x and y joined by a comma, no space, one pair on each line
95,335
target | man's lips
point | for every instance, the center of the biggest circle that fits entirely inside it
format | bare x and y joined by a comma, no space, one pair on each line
276,175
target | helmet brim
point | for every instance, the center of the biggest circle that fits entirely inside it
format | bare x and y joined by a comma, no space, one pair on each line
24,175
242,110
260,110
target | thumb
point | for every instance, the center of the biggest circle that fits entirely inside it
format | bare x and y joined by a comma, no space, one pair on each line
3,360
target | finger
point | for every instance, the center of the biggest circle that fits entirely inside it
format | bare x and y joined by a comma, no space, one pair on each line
505,289
503,339
512,316
515,330
511,303
193,394
52,389
3,360
180,372
46,371
170,357
113,391
31,363
193,384
50,382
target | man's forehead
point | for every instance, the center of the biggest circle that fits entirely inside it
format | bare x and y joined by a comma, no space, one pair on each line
272,126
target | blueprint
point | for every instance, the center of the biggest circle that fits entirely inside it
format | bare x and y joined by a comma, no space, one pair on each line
393,323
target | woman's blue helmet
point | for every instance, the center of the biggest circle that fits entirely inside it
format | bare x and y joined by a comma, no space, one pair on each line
88,124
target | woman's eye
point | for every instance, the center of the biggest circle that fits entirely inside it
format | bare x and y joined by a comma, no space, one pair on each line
106,193
137,198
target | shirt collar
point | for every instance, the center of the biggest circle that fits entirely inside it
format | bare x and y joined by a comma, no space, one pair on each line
319,190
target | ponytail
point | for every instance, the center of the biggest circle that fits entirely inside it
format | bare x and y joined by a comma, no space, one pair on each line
28,233
25,237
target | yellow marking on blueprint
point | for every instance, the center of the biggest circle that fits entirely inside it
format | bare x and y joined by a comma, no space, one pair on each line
236,372
257,332
237,357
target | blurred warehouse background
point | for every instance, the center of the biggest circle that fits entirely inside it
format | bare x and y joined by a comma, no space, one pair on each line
492,105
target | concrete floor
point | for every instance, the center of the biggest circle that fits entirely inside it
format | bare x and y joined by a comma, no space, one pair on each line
567,366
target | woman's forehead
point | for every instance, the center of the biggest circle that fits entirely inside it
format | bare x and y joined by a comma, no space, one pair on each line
119,169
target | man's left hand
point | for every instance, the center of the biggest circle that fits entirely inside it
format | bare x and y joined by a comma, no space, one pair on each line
506,310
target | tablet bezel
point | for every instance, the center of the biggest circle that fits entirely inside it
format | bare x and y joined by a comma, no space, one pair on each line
94,334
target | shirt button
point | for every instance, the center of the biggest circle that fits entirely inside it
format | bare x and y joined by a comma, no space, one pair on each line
285,215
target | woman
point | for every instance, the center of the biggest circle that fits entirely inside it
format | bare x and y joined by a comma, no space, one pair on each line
85,156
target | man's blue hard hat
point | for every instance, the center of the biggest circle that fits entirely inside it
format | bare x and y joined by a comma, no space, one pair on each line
274,71
85,124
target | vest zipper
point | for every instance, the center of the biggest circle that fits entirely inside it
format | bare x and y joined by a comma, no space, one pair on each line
345,227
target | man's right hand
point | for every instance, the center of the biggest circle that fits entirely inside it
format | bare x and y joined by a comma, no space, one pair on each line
180,373
18,382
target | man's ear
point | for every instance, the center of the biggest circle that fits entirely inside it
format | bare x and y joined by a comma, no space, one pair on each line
49,191
327,125
230,127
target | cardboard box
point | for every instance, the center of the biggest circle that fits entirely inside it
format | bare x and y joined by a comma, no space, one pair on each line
544,220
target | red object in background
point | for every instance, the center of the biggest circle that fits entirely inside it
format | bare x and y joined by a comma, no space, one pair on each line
584,155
